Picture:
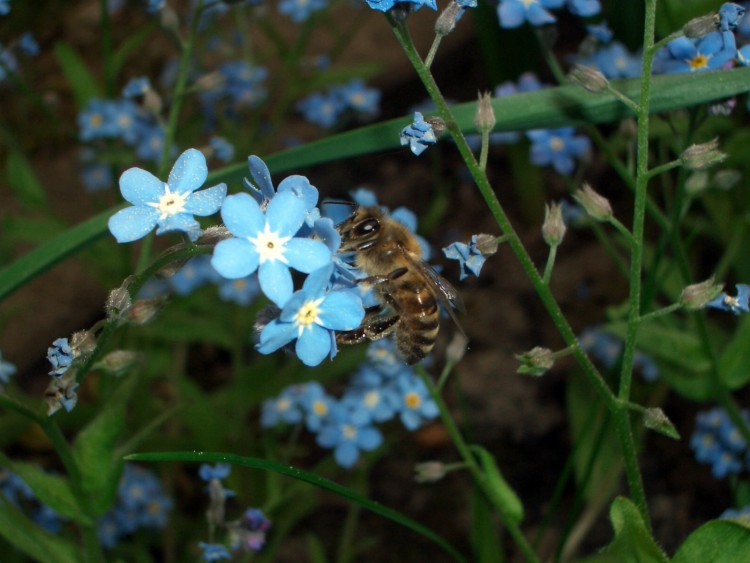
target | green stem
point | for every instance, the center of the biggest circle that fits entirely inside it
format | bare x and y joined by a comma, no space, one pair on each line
433,50
660,312
663,168
550,264
477,474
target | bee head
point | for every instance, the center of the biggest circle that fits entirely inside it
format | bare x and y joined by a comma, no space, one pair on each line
361,230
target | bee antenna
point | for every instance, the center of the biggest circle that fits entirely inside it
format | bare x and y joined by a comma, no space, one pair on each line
331,208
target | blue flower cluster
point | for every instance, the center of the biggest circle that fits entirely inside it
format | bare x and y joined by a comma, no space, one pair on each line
140,504
327,109
61,391
25,45
382,388
15,490
268,232
235,85
718,443
607,348
514,13
387,5
245,535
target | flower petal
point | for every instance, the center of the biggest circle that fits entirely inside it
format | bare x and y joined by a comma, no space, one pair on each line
242,215
316,283
139,186
179,222
313,345
189,172
235,258
132,223
307,255
341,310
285,213
206,202
369,438
301,187
261,176
346,454
276,281
275,335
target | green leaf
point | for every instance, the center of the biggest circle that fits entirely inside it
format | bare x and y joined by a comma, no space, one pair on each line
717,541
633,542
80,78
552,107
504,494
130,45
24,181
46,255
29,538
301,475
735,358
52,490
94,449
316,553
485,538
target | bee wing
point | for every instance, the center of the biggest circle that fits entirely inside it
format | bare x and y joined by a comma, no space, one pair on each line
446,294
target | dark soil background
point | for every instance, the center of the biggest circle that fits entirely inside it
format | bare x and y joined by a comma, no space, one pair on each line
521,420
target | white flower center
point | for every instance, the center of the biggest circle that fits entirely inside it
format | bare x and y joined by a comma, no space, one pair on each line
372,398
528,3
348,431
270,246
170,203
557,144
308,314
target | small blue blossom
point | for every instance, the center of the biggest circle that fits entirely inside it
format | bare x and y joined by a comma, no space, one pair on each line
694,55
194,274
730,16
7,370
470,259
286,408
4,7
601,31
96,176
301,10
513,13
221,148
95,121
155,6
322,109
316,405
266,242
358,97
558,147
614,61
311,316
136,87
584,8
717,442
61,356
169,205
249,532
342,433
219,471
28,45
414,404
150,143
419,135
242,291
213,552
736,305
387,5
737,514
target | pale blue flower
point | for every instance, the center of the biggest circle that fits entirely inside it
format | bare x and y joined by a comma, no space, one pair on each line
61,356
513,13
695,55
736,305
419,135
558,148
470,259
301,10
7,370
267,243
386,5
169,205
346,436
311,316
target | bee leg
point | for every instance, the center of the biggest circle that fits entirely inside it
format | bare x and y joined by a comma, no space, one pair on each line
370,330
373,280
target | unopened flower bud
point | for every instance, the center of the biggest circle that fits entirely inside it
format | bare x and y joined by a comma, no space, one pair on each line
696,182
447,20
589,78
485,244
655,419
119,362
698,295
553,228
438,125
596,206
210,81
118,302
702,156
701,26
152,101
168,19
144,310
536,361
727,179
83,343
484,118
429,471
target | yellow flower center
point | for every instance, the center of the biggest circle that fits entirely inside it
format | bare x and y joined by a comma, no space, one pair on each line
320,408
308,314
698,61
348,431
413,400
372,398
556,144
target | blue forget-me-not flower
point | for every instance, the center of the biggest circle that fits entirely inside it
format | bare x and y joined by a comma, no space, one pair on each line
419,135
737,304
558,148
470,259
7,370
347,436
171,205
513,13
386,5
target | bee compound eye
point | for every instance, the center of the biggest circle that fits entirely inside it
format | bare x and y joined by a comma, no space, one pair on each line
367,227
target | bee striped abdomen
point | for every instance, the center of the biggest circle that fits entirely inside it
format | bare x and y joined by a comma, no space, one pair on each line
418,327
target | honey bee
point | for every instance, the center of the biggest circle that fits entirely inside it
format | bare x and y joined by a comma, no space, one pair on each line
409,290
